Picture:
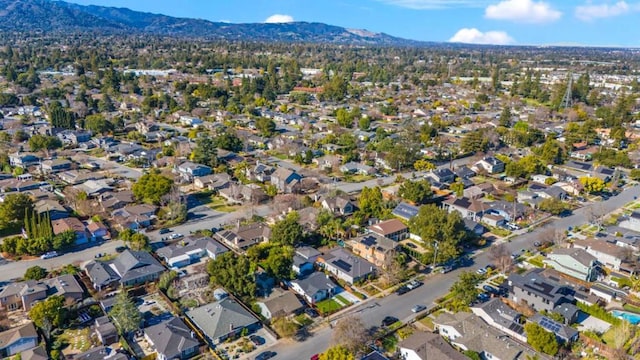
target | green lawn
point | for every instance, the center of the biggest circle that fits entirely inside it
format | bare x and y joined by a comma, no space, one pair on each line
536,261
217,203
303,320
328,306
343,300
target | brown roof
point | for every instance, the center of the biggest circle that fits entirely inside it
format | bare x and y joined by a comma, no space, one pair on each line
388,227
66,224
95,226
431,346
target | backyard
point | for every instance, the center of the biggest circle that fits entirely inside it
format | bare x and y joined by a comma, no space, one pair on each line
74,341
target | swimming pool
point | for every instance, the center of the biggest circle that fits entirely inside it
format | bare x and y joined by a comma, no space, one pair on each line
629,316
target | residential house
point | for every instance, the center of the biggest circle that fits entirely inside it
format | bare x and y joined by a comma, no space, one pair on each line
71,224
574,262
564,333
328,162
244,236
134,217
98,231
357,168
511,211
304,259
36,353
442,175
314,288
474,227
74,137
191,250
468,208
213,182
260,172
538,291
172,339
500,316
240,193
607,253
464,172
570,312
18,339
23,160
280,303
190,170
553,192
493,220
376,249
74,177
405,211
22,295
604,173
347,266
52,208
339,205
129,268
94,188
115,200
101,353
286,180
393,229
55,166
489,164
106,331
468,331
631,222
222,319
428,346
374,355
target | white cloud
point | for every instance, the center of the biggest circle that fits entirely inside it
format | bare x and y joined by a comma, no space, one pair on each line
278,19
475,36
436,4
590,11
525,11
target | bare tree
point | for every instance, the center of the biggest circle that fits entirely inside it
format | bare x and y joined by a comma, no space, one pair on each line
553,236
351,333
394,267
499,255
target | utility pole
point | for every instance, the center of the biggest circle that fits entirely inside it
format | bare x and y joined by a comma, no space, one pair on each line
567,98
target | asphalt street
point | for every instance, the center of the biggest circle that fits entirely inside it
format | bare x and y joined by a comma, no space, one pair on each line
437,285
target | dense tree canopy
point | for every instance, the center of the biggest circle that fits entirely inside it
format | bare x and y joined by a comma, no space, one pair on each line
234,273
44,142
205,152
125,313
434,224
13,209
287,231
35,273
540,339
417,192
151,187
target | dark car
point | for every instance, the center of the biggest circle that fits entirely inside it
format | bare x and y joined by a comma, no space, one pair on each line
402,290
266,355
121,248
388,320
411,245
490,289
256,340
312,312
164,231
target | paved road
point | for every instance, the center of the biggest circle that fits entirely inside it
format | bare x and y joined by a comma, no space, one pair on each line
15,269
111,166
437,285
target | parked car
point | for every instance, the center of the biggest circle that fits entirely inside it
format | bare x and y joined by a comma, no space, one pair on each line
256,340
49,255
266,355
481,271
490,289
537,244
98,255
418,308
445,269
414,284
315,357
120,248
311,312
483,297
176,236
388,320
164,231
402,290
411,245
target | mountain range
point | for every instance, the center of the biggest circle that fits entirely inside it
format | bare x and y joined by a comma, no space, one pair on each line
62,17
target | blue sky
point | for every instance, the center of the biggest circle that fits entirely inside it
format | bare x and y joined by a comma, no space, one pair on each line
519,22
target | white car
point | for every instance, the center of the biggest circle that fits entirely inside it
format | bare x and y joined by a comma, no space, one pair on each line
176,236
49,255
418,308
481,271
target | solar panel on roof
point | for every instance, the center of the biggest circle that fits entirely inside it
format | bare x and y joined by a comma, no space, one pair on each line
342,265
368,241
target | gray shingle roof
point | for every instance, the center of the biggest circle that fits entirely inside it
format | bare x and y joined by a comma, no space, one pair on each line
220,318
170,338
